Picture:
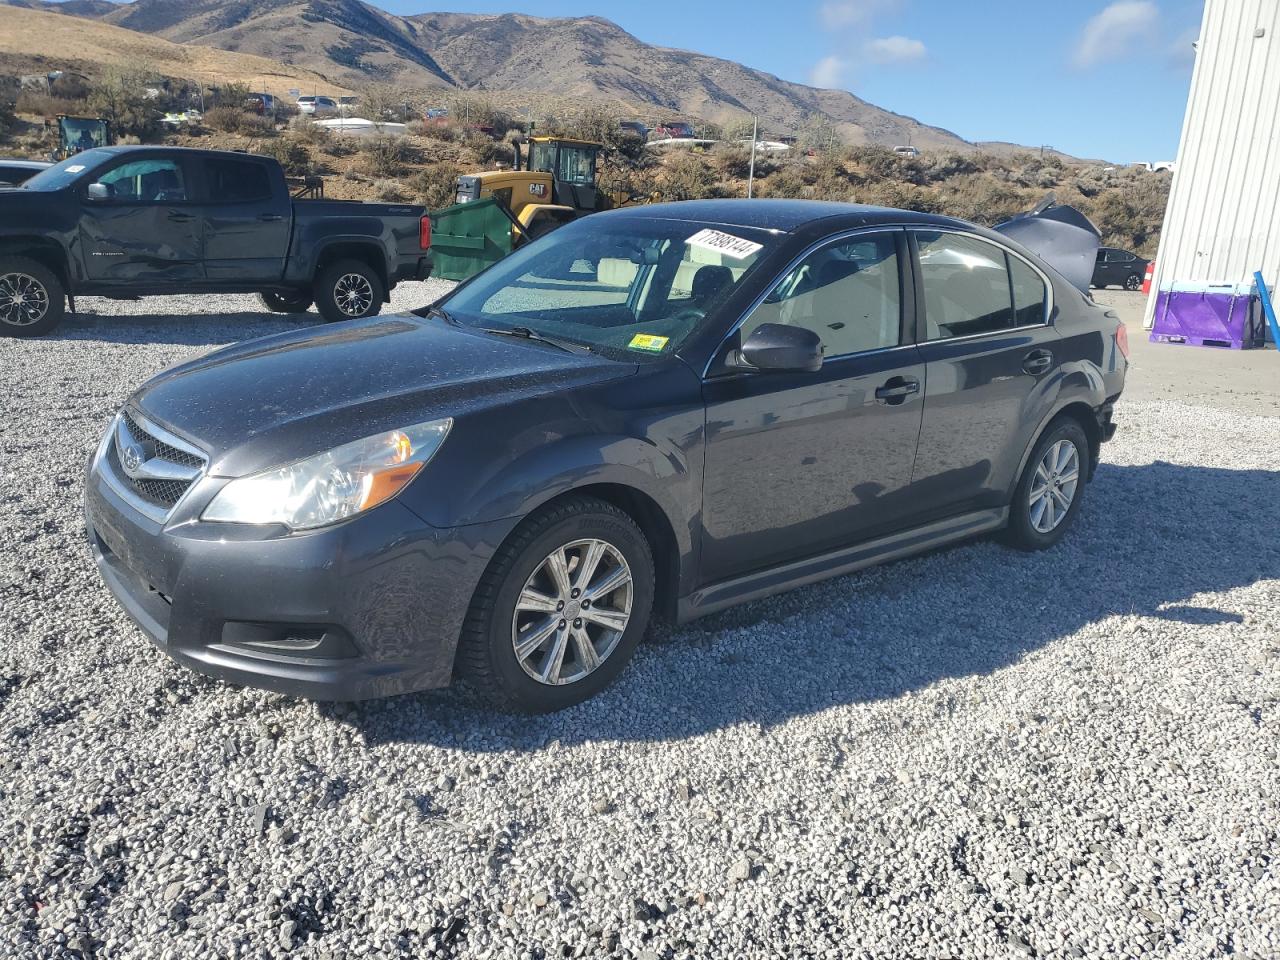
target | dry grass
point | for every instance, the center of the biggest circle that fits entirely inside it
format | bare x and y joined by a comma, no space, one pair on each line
71,41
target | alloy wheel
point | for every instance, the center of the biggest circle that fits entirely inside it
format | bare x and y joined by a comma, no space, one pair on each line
23,300
1133,282
1053,488
353,294
572,612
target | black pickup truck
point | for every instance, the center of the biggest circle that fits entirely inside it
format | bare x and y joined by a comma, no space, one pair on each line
139,221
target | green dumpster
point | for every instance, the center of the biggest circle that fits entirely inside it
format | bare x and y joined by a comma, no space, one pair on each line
468,237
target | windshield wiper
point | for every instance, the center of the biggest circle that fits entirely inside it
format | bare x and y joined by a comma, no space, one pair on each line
525,333
441,312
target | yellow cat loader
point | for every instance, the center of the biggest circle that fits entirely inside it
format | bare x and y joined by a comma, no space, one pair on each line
498,210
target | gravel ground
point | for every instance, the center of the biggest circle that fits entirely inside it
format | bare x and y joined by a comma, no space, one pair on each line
975,753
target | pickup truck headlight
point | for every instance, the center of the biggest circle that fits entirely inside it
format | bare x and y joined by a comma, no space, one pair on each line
333,485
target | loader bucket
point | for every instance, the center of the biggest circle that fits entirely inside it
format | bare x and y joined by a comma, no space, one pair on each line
468,237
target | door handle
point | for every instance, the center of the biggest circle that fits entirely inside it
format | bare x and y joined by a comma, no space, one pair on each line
1037,362
897,389
180,217
271,218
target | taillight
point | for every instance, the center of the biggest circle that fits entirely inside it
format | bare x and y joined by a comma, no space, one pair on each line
1122,339
424,233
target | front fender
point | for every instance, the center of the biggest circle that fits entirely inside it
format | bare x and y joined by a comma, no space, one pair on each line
524,484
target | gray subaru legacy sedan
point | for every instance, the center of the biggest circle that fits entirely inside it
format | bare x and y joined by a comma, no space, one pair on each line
656,412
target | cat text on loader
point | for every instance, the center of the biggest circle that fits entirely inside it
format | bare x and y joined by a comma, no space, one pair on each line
498,210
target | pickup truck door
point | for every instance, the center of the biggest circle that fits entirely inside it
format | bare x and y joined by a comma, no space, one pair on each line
247,214
139,225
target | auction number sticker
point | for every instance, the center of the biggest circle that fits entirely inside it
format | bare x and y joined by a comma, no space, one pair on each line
75,168
647,341
725,243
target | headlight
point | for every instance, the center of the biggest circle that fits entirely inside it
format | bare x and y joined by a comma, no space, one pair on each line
333,485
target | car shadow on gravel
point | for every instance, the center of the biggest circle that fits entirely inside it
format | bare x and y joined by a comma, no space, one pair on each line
187,330
1149,540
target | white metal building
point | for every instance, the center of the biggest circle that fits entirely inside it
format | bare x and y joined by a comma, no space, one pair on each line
1223,218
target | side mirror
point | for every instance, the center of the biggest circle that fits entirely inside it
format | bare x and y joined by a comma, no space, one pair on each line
99,191
779,348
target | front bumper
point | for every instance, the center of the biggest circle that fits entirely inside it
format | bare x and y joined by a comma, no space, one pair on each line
387,592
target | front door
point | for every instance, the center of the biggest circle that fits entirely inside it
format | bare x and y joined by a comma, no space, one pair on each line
800,463
988,348
139,224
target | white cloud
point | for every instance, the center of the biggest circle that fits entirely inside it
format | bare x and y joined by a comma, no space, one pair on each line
838,14
1116,31
828,73
895,50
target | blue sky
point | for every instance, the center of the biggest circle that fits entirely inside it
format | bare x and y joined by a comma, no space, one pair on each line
1095,78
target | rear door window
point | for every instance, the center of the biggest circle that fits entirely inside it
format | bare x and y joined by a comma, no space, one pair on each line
236,181
1030,295
966,286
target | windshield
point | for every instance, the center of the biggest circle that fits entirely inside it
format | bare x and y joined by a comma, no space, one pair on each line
68,171
629,288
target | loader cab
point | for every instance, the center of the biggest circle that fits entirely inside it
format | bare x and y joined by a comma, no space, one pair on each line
572,165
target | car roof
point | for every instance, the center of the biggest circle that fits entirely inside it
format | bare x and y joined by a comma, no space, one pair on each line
781,215
119,148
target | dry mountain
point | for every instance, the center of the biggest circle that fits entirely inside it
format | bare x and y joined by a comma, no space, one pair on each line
354,42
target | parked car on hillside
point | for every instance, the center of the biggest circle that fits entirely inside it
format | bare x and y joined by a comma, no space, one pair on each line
135,221
674,130
1119,268
657,411
15,172
263,104
907,151
317,106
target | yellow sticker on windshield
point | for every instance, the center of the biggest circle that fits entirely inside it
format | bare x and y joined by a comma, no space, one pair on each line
647,341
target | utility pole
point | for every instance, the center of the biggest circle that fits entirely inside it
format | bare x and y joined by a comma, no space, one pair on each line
751,175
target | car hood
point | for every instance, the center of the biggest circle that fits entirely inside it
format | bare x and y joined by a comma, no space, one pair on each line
267,402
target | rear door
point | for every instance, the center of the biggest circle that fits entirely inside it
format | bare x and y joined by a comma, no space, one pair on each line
145,228
990,356
247,215
801,463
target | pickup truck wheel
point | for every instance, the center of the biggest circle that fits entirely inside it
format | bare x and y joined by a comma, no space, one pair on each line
349,290
281,303
561,608
32,301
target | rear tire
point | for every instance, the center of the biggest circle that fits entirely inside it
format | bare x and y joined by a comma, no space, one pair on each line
349,290
515,605
1048,496
298,302
32,299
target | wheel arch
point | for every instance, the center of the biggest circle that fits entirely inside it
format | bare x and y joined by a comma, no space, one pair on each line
365,251
657,529
1079,411
42,250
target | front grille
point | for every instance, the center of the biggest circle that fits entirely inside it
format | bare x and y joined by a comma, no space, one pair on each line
164,451
178,466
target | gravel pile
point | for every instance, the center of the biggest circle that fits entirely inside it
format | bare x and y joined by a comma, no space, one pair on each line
975,753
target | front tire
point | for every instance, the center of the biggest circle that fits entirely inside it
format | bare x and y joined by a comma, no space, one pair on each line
349,290
32,299
1133,282
297,302
560,609
1051,488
